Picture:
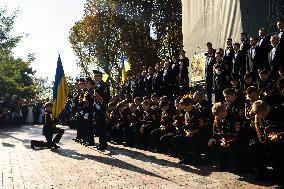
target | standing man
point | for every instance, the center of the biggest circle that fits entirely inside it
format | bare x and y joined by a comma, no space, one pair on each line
183,74
280,26
209,63
264,48
252,65
245,43
229,51
276,56
102,95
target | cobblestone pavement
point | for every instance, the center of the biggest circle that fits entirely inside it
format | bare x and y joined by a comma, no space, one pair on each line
76,166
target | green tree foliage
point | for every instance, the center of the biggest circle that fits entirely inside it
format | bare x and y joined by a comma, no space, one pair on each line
43,88
145,30
15,73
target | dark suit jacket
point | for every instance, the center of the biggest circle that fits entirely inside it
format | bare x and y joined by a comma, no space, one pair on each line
277,60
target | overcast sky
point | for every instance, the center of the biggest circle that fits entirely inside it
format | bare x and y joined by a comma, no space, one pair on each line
47,23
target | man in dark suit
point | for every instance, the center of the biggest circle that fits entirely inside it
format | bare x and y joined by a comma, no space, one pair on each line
184,64
229,51
276,56
209,63
149,81
101,98
264,47
245,43
238,68
168,80
252,63
157,83
280,26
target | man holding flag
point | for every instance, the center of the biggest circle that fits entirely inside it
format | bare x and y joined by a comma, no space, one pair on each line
53,110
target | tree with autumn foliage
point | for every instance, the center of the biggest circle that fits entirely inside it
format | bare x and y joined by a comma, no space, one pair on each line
145,31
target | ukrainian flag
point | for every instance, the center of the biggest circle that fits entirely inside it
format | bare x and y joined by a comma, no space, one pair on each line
59,90
125,68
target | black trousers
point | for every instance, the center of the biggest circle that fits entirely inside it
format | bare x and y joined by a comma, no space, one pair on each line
50,141
256,155
277,156
157,136
184,145
102,127
128,134
80,121
166,140
230,158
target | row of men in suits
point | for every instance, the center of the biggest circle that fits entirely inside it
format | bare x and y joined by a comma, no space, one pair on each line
165,79
251,55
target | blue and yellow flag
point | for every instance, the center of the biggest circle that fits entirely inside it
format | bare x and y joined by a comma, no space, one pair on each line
59,90
125,68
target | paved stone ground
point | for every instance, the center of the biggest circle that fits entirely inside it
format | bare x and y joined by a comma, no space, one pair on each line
76,166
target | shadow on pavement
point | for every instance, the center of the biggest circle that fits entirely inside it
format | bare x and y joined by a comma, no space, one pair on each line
106,160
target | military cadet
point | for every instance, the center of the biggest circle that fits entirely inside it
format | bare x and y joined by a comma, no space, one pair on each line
122,123
225,141
143,139
74,106
183,74
235,84
84,115
190,144
101,98
89,112
274,129
135,125
268,89
178,123
235,104
138,103
48,130
165,127
256,143
248,81
127,130
80,112
264,83
115,131
204,108
110,118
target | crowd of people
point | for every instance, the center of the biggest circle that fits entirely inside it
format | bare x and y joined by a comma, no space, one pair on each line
241,127
16,111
